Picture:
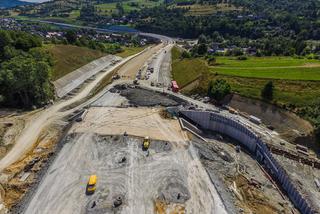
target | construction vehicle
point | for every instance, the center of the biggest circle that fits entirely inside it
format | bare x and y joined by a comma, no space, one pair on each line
91,185
135,82
116,77
146,144
174,86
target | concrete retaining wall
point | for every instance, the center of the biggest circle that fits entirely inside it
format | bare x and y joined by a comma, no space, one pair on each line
71,81
251,141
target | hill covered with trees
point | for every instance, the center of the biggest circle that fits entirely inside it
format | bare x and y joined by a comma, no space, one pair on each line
278,27
24,70
12,3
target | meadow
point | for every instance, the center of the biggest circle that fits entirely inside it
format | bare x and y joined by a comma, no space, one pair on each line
131,5
288,68
295,83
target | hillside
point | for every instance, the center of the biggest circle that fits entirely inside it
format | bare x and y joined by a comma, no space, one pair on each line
12,3
68,58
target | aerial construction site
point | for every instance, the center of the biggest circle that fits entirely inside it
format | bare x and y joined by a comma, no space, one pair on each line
122,139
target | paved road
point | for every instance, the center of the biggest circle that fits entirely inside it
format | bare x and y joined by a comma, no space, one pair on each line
161,63
129,70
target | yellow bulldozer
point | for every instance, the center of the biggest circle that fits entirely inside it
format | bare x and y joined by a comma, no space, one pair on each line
146,143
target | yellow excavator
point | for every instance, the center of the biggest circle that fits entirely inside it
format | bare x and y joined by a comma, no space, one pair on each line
146,143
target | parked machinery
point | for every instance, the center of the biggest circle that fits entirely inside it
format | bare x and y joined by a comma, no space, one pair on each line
146,144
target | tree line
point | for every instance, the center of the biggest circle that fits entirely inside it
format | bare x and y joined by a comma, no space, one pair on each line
24,70
279,28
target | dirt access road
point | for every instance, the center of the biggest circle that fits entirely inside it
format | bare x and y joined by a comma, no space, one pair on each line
41,120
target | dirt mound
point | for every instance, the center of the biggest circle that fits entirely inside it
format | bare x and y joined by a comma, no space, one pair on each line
163,208
253,199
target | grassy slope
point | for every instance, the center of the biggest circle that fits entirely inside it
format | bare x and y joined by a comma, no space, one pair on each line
128,51
299,93
269,67
186,70
68,58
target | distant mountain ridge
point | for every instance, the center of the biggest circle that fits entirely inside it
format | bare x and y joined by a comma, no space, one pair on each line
12,3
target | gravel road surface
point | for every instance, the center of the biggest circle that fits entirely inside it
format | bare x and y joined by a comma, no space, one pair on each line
170,172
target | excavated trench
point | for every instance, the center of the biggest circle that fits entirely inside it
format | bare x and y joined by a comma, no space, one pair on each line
142,97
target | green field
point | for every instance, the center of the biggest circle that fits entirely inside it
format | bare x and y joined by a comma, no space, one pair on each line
185,71
269,67
207,9
68,58
287,92
293,86
72,19
131,5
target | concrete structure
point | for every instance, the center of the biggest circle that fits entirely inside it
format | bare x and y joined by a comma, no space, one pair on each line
74,79
253,143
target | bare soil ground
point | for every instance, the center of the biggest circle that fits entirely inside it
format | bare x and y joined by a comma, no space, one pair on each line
167,179
134,121
287,124
12,122
250,188
20,176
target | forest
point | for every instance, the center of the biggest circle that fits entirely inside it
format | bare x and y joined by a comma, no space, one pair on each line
24,70
277,28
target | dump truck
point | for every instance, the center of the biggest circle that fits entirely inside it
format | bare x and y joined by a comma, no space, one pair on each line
91,185
146,143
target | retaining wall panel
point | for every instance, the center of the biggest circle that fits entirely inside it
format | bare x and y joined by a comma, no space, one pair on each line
254,144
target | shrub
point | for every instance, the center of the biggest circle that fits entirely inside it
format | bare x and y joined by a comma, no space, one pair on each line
242,58
267,91
218,89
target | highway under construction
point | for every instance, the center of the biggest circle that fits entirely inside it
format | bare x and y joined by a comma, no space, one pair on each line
201,158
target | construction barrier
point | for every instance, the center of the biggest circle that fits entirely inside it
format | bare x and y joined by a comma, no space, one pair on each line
253,143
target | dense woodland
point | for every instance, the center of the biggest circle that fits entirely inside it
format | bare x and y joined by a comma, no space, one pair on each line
279,27
24,70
